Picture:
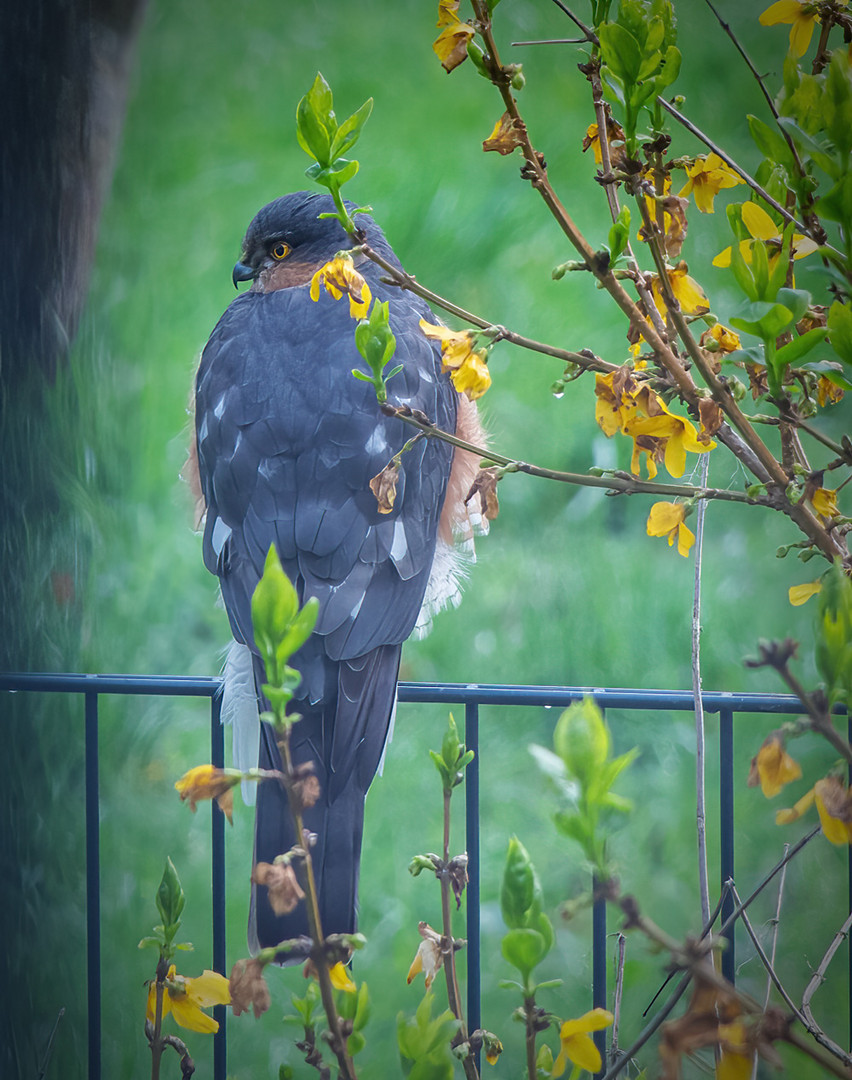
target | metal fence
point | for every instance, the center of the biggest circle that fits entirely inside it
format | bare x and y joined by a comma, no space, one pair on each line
472,697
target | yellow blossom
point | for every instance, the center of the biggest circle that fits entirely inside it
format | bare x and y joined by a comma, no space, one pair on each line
828,393
339,276
798,594
737,1057
834,807
340,979
186,998
762,228
577,1046
802,18
667,519
614,134
467,366
772,767
707,175
208,782
824,501
720,339
451,44
687,292
625,404
472,378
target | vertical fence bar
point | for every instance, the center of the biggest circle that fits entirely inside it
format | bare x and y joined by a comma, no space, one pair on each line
726,830
599,963
471,790
217,752
93,885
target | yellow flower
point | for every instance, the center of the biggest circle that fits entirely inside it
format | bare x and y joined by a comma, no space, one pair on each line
667,519
340,979
824,501
627,405
687,291
802,18
467,366
472,378
828,393
339,276
451,44
834,807
707,175
185,998
576,1045
762,228
799,594
614,134
720,339
737,1055
208,782
773,767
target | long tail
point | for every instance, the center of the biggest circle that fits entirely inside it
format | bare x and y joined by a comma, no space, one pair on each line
345,740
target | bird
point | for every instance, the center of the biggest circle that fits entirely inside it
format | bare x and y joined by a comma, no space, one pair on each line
286,444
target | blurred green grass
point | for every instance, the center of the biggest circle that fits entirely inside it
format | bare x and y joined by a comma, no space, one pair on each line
568,589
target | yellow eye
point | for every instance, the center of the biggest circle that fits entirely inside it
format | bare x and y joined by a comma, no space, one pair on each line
280,250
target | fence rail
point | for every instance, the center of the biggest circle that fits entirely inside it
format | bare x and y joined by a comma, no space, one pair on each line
472,697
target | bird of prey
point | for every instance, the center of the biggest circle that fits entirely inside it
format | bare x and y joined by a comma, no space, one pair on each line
287,442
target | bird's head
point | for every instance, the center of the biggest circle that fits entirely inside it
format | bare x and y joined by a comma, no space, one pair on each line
287,242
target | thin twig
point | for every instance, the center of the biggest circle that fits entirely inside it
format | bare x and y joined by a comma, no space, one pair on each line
700,810
587,32
618,992
759,78
752,183
776,925
617,482
407,282
819,975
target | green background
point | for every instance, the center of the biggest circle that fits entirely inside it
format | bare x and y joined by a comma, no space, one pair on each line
567,589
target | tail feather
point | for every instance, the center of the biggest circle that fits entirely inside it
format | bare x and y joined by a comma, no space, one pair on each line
363,705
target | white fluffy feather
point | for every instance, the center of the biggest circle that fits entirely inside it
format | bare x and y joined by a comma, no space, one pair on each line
239,709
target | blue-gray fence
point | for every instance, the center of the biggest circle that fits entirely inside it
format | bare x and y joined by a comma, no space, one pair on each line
472,697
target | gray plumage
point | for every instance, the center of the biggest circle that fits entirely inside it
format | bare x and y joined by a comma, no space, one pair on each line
287,443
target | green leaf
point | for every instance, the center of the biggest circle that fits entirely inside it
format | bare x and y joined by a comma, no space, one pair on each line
819,152
518,889
763,319
770,143
799,346
582,740
670,69
621,52
350,130
840,330
170,898
315,122
797,300
619,233
836,204
523,948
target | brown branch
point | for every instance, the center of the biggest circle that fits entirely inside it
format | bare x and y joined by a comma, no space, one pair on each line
585,359
740,171
619,483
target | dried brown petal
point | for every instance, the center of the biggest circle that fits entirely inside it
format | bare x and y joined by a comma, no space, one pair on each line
711,418
505,137
281,883
383,486
485,486
248,988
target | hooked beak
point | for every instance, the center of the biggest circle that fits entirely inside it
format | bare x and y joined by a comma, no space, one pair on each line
242,273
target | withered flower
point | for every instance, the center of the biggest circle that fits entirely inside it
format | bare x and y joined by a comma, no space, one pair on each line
283,887
305,786
485,486
429,958
248,988
383,486
505,137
